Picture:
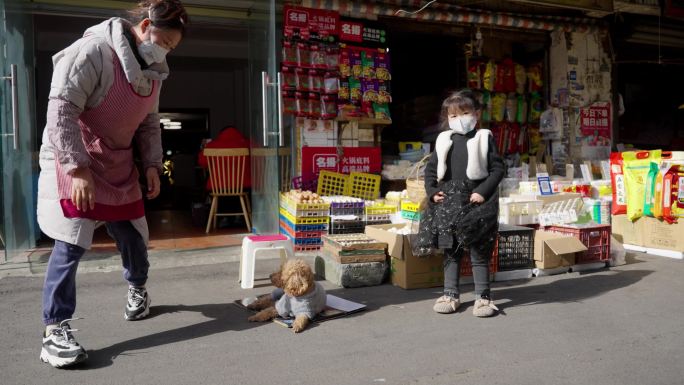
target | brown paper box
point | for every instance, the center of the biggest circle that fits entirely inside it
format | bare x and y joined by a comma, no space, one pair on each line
553,250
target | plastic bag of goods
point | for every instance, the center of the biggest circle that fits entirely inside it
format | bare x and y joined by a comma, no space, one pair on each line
673,194
636,167
617,178
649,190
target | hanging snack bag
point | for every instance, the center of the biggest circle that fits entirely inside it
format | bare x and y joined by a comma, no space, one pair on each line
289,103
669,158
315,107
289,78
302,79
303,55
356,64
534,77
382,70
369,91
520,79
384,95
486,107
536,107
474,76
636,167
331,84
498,107
673,194
303,106
289,54
344,95
649,190
511,108
328,107
355,91
505,76
315,81
345,63
521,116
489,76
368,64
617,177
381,111
332,58
317,57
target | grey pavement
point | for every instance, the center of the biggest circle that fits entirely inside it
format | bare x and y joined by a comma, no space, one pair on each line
616,326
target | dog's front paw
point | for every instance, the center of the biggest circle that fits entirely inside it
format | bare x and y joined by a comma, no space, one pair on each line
300,324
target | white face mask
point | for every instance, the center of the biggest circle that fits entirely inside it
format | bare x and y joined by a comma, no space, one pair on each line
463,124
151,52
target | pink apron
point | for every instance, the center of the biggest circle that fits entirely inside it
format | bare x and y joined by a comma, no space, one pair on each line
108,132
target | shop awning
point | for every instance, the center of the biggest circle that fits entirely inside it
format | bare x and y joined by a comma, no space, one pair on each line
445,13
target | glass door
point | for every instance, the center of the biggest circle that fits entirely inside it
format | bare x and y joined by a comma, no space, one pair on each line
266,119
18,225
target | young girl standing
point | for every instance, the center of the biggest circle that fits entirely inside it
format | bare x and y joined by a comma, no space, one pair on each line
461,181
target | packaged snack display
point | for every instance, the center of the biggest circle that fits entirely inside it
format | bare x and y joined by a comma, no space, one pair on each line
302,79
315,81
498,107
369,89
474,76
356,64
618,179
289,103
345,63
355,91
649,190
289,54
520,79
289,78
303,104
344,94
381,111
332,58
303,55
315,108
636,167
384,95
318,59
534,78
329,106
505,76
673,194
368,65
489,76
487,107
536,107
382,71
521,116
511,108
331,84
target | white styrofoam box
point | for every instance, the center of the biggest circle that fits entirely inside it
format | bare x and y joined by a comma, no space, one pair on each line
588,266
512,275
520,212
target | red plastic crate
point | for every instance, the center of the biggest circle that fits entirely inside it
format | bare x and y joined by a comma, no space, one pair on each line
595,238
467,267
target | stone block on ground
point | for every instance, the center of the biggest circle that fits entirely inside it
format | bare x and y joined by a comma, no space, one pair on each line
350,274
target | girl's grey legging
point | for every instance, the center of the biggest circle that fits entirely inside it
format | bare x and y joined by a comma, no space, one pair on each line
452,271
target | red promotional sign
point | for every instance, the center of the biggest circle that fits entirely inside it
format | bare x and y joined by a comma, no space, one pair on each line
596,120
312,20
353,159
351,31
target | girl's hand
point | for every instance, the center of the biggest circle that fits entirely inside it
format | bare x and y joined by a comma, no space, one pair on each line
476,198
83,189
153,184
438,198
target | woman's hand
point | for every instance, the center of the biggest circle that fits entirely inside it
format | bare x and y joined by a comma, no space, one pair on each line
83,189
476,198
153,183
438,198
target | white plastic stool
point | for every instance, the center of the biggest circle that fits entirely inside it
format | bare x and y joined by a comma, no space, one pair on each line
259,244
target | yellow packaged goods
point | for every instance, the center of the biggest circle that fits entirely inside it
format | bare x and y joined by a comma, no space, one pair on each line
673,194
636,168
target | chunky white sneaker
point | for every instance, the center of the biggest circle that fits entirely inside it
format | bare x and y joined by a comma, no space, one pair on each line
484,307
60,349
138,304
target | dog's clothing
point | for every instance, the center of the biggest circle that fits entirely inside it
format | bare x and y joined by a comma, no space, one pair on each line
308,304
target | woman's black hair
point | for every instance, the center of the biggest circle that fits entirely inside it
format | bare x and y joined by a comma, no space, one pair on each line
465,99
164,14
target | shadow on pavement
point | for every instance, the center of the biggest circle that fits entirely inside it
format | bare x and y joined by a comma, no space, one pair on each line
223,318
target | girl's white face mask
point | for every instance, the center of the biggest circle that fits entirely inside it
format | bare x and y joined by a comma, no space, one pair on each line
463,124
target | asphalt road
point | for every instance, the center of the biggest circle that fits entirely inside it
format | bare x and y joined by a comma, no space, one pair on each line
617,326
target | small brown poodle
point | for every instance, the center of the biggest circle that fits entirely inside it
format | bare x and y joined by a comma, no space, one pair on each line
303,298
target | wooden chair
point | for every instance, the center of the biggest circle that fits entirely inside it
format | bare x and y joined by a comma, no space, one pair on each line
227,173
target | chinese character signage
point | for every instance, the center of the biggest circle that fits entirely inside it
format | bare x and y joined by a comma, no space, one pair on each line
312,20
351,31
365,33
595,120
353,159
